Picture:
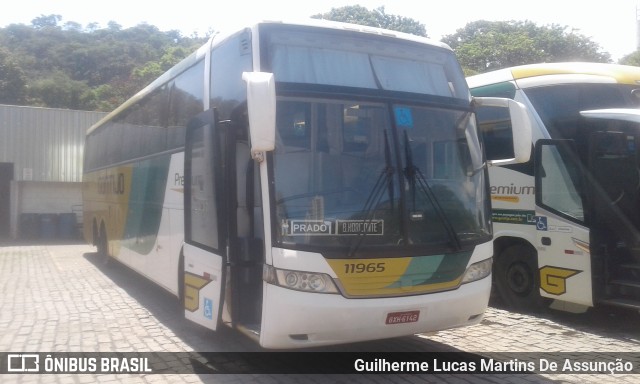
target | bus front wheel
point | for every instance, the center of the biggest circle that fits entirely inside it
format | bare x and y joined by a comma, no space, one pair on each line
517,280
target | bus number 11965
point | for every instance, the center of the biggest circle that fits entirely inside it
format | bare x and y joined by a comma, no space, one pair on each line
364,267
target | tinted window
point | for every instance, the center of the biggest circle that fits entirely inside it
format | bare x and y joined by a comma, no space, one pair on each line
559,106
186,101
230,59
155,124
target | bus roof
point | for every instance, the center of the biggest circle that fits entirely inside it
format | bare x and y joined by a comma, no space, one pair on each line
329,24
222,35
623,74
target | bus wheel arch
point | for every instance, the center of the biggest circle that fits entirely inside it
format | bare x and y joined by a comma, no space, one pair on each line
516,277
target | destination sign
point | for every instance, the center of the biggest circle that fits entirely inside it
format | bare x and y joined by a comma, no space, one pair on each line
310,227
360,227
328,227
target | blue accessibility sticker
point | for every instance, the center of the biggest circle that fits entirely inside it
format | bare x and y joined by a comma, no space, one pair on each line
208,308
404,117
541,223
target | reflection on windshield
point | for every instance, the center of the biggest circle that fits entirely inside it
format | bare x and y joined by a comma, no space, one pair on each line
348,179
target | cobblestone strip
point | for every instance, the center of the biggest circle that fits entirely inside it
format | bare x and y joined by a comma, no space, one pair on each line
504,331
58,301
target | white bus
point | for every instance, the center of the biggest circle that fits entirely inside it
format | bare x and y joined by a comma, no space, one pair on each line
306,184
566,223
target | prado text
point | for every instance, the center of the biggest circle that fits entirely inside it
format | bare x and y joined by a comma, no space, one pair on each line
487,365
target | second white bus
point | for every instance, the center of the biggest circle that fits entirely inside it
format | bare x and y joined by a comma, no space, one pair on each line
567,222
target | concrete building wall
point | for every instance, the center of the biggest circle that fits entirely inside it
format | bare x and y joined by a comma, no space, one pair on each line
45,147
44,144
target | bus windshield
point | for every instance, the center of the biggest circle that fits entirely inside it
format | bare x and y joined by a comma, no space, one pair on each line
351,176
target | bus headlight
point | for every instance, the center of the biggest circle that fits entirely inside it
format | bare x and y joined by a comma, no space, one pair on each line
298,280
477,271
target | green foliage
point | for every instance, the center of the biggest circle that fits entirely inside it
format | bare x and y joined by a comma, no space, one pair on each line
631,59
58,90
55,64
66,66
13,82
483,46
356,14
46,21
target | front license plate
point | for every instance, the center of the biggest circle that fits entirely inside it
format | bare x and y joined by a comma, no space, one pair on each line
402,317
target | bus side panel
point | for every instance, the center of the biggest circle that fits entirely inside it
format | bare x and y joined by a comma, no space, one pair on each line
106,202
142,211
565,260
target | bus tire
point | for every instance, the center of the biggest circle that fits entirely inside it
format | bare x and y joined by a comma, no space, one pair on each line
517,279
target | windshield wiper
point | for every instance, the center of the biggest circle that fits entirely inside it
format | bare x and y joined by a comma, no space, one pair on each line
384,179
415,176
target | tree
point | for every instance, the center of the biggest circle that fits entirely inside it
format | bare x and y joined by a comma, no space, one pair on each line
72,26
357,14
483,46
112,25
631,59
13,82
64,66
59,91
49,21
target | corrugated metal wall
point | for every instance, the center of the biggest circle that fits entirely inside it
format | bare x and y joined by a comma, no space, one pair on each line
44,144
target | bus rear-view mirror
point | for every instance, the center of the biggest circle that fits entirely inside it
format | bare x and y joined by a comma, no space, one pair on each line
520,126
261,105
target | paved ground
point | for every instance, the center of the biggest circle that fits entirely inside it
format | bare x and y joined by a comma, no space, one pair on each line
61,299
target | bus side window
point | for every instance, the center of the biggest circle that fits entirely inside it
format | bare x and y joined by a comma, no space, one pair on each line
559,179
185,101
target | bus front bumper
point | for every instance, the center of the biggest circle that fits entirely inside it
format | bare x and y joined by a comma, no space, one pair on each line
294,319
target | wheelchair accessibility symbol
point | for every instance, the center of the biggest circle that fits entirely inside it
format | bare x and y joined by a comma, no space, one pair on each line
541,223
404,118
208,308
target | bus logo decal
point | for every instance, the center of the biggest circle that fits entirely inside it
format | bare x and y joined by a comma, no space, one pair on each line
192,286
553,280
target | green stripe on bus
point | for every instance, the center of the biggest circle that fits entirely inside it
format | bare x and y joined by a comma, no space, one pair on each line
148,184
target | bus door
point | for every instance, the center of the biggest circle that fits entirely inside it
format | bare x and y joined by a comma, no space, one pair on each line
246,261
205,249
564,258
615,191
